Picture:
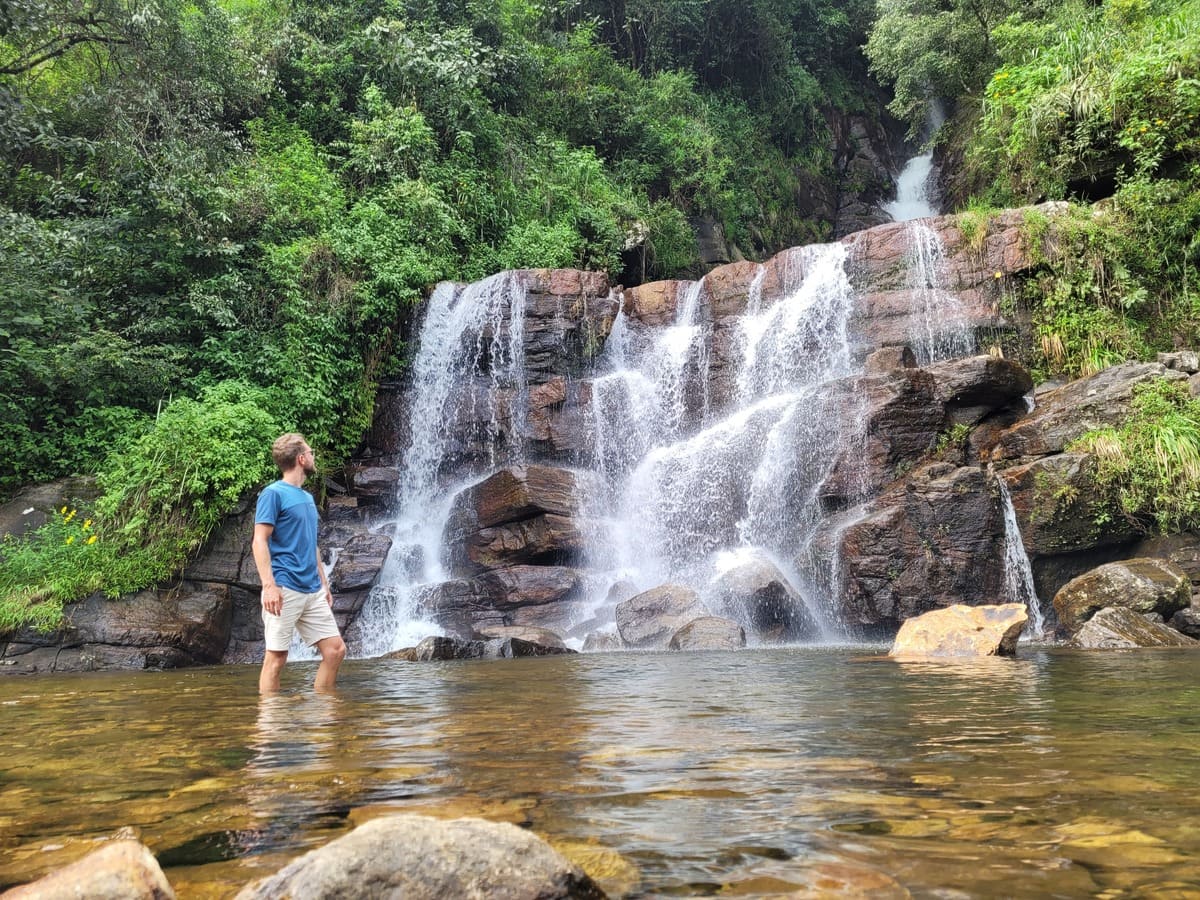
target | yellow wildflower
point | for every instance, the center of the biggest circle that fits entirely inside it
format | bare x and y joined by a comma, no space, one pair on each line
92,539
998,274
70,538
87,523
63,511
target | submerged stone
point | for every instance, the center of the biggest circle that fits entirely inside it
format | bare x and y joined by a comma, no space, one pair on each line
1119,628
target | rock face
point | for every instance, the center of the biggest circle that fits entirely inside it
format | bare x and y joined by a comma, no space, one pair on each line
648,621
1140,585
164,629
963,631
418,857
709,633
123,870
518,515
758,595
1120,628
933,540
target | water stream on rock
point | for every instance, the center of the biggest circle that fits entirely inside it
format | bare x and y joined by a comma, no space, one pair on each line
1018,574
714,437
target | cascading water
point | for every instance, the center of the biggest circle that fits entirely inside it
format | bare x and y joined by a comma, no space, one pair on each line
679,499
945,331
714,440
1018,574
468,331
913,199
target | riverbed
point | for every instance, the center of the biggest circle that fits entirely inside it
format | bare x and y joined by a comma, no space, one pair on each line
1058,773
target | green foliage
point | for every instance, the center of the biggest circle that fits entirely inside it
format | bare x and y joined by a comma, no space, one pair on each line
1151,464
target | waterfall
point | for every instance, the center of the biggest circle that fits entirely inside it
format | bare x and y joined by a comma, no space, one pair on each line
716,440
685,491
471,331
944,331
1018,574
913,200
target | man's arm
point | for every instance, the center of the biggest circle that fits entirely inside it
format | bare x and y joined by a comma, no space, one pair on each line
324,579
272,594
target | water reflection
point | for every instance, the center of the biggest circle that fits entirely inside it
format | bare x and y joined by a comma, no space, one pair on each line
824,772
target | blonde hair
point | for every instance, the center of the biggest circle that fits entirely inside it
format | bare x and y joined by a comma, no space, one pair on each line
286,449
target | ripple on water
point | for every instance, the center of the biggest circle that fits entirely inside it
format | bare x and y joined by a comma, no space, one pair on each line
809,772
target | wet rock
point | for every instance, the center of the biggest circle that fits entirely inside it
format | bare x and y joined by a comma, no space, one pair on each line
885,359
709,633
1067,413
1142,585
32,506
419,857
528,633
376,485
1120,628
602,641
359,563
542,596
963,631
648,620
1187,621
226,556
123,870
933,541
449,648
153,629
519,515
971,389
756,594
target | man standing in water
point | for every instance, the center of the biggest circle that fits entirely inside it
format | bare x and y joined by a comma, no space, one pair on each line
295,592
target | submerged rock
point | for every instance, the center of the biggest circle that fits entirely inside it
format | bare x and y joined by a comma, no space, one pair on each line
123,870
433,649
963,631
416,857
1142,585
709,633
1120,628
529,633
648,620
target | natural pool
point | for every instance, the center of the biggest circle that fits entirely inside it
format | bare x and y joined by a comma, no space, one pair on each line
823,770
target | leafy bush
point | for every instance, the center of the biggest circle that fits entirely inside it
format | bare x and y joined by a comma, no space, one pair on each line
1151,464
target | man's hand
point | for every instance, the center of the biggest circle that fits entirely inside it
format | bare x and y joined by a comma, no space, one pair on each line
329,596
272,599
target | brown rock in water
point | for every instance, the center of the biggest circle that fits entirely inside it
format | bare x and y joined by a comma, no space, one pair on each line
528,633
963,631
709,633
123,870
419,858
1120,628
1142,585
648,620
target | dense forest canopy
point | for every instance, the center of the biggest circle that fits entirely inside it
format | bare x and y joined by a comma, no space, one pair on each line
218,217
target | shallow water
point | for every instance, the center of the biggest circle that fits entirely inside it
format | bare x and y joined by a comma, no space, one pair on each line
825,771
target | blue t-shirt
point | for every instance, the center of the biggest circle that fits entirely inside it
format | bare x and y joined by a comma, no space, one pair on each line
293,543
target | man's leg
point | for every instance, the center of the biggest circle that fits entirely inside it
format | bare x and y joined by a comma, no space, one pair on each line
268,679
333,651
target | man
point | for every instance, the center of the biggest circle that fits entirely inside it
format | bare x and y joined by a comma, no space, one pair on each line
295,591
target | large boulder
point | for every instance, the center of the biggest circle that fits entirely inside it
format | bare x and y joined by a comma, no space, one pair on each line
152,629
541,596
759,596
971,389
648,620
1141,585
932,541
1120,628
709,633
416,857
519,515
359,562
963,631
123,870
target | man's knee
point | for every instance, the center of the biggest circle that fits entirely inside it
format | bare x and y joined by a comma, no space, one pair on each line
274,659
332,650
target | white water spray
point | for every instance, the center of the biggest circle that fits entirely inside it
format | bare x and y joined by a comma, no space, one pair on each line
1018,574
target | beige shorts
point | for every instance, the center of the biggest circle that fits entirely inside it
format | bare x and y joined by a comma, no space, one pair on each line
308,614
